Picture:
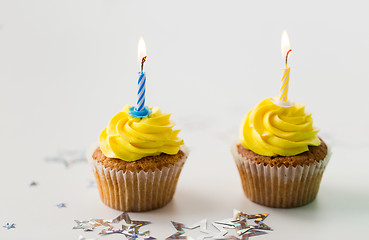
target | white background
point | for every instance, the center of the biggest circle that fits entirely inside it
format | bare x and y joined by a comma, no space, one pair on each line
66,67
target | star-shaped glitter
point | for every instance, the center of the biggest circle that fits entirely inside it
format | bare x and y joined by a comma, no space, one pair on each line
61,205
9,225
239,222
33,183
131,233
130,230
180,230
259,217
67,158
101,222
124,216
133,224
85,225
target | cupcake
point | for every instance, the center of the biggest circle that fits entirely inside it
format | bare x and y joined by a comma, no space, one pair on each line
138,161
279,156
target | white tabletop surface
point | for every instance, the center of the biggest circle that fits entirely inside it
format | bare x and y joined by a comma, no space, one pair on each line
66,67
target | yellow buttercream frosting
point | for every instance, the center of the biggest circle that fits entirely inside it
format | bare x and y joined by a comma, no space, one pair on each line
131,138
271,130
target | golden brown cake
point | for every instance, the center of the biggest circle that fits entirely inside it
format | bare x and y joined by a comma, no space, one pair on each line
315,154
146,163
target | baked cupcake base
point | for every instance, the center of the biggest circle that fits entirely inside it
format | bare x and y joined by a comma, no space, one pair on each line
281,182
142,185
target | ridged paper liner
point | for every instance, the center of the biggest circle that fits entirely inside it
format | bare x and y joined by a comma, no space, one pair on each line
280,187
137,191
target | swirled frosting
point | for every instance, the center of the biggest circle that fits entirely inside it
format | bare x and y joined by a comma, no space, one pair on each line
271,130
131,138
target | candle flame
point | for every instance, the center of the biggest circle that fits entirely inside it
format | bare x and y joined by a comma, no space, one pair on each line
285,44
141,49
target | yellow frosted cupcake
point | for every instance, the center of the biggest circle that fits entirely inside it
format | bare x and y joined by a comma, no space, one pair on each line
280,158
138,161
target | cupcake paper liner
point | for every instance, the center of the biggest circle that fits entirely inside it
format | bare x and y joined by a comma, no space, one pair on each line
280,187
137,191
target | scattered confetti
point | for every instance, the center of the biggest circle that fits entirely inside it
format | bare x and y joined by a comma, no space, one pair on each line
240,224
124,216
180,230
61,205
68,158
130,229
85,225
9,225
33,183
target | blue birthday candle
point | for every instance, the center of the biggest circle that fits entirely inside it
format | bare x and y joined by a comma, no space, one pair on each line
140,110
141,90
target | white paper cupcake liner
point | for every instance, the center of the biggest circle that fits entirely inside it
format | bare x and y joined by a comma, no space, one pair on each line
137,191
280,187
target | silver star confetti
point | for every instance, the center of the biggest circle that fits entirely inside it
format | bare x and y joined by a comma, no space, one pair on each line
240,224
259,217
180,230
67,158
178,236
33,183
124,216
85,225
9,225
130,230
61,205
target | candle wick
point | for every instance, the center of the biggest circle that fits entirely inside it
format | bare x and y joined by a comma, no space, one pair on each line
288,52
142,63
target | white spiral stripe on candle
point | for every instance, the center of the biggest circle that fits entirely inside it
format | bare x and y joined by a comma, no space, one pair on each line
284,88
284,96
141,100
141,91
141,94
284,84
